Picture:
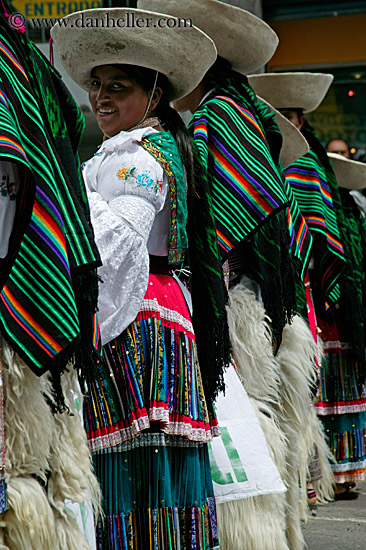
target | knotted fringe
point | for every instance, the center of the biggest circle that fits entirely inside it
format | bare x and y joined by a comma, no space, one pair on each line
298,376
46,461
256,523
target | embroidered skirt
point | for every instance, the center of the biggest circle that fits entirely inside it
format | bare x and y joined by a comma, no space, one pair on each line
148,428
341,405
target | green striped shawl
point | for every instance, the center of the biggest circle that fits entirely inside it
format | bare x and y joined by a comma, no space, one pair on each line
313,184
49,289
239,144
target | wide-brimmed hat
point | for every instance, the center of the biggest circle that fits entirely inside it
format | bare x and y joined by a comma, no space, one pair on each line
292,90
91,38
240,37
294,145
350,174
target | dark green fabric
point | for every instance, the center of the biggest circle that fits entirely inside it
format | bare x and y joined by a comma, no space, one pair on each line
352,303
313,184
241,128
48,279
166,153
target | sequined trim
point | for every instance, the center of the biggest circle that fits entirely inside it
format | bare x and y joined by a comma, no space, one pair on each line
167,314
152,440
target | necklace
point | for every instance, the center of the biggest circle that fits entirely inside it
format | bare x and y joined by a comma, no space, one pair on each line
153,121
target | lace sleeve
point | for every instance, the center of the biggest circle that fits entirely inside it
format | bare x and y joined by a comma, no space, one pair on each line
121,232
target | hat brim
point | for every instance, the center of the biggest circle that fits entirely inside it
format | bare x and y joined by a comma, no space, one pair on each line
241,38
182,53
350,174
292,90
294,145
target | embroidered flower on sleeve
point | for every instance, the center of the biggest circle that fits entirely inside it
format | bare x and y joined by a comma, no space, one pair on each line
126,173
144,180
8,188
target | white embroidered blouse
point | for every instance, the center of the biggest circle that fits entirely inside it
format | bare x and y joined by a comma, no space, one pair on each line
130,212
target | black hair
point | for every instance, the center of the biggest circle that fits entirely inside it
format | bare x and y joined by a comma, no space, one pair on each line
299,112
215,72
170,119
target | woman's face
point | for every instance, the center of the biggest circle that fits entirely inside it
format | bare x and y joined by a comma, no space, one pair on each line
117,103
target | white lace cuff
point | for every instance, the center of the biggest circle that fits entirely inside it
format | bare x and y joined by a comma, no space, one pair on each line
136,211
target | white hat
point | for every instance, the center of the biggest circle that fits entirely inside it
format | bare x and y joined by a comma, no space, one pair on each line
183,54
350,174
292,90
294,145
240,37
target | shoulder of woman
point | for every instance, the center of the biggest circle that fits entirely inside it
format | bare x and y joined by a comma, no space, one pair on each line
217,108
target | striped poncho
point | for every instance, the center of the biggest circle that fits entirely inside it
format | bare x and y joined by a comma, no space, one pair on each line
245,185
239,144
48,294
310,185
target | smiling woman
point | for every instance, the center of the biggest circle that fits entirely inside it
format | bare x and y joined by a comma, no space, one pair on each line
147,415
117,101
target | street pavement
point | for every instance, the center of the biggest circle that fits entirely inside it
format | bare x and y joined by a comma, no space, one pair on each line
339,525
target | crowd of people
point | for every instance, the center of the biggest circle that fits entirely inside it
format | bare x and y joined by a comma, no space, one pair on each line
182,317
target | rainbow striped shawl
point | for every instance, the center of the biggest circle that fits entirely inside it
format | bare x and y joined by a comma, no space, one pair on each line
239,144
44,305
245,185
310,185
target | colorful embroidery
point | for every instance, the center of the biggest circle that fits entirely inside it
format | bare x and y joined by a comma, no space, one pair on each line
158,155
126,173
142,180
7,188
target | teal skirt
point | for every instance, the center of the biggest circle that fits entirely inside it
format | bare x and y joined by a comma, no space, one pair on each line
157,494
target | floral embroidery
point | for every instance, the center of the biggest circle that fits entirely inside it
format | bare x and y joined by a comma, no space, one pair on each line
126,173
142,180
145,180
7,188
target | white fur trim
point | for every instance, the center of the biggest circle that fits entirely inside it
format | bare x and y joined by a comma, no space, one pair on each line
298,373
251,340
30,522
256,523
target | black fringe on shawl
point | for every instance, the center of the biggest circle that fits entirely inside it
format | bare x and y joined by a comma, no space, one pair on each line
209,295
64,137
265,255
350,312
